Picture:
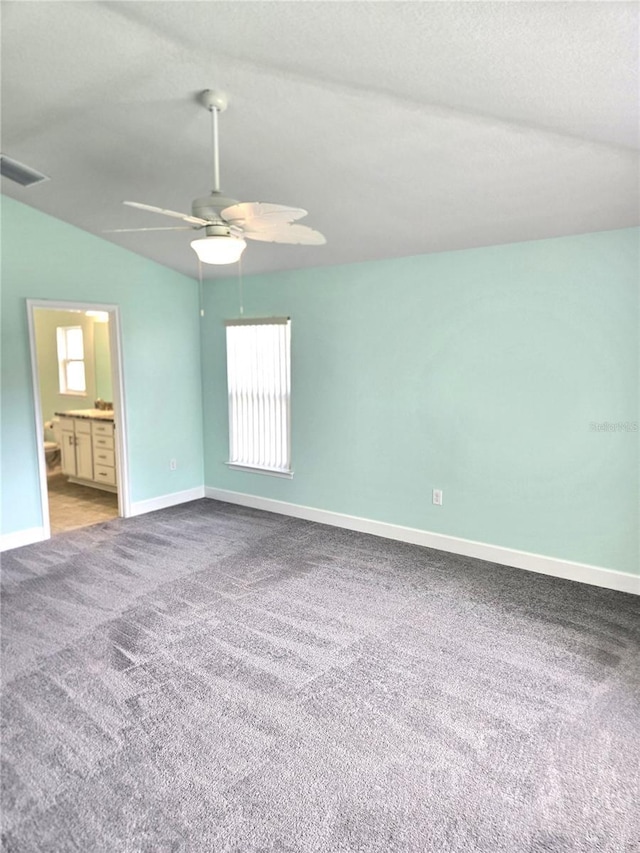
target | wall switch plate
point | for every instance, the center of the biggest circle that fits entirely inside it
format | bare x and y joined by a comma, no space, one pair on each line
172,464
437,497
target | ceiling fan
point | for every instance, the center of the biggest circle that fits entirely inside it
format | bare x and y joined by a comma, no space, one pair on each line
226,221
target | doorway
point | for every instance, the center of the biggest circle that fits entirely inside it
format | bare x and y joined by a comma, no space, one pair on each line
79,413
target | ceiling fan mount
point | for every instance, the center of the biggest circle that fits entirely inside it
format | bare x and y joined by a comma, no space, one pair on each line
225,220
214,99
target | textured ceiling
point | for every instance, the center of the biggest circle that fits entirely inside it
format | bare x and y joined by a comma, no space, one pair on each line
403,128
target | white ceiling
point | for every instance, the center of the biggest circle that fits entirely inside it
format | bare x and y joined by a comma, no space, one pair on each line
403,128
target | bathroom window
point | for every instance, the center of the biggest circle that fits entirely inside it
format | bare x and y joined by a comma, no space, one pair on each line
71,360
259,387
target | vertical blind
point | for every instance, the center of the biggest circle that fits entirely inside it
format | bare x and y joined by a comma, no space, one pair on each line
259,385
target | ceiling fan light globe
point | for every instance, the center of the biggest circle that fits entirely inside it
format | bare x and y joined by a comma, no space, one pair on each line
218,249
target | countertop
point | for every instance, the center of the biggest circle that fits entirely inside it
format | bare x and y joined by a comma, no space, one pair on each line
90,414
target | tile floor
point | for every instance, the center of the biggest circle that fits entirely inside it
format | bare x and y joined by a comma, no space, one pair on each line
72,506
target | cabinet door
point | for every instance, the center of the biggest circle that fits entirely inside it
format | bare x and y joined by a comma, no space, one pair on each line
68,453
84,457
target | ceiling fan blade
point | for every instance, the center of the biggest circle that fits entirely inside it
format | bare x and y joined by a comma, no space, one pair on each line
174,213
162,228
300,234
259,214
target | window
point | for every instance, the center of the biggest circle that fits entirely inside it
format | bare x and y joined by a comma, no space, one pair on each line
259,385
71,360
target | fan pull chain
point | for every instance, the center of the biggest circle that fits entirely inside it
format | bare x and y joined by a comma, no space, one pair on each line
200,288
240,285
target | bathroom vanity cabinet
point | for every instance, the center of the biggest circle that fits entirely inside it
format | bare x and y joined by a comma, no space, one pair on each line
75,449
88,451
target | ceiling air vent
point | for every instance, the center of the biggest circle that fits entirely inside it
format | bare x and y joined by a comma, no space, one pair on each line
18,172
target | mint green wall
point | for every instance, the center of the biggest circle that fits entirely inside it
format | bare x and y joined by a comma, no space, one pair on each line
160,341
46,324
478,372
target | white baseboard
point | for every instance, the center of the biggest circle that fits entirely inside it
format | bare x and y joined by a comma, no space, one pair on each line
8,541
164,501
581,572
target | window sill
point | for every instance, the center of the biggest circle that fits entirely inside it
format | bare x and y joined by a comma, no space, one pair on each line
272,472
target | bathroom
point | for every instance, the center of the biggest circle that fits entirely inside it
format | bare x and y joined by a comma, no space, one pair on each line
74,369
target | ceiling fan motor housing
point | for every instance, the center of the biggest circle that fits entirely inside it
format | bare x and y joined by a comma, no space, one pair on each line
221,230
210,206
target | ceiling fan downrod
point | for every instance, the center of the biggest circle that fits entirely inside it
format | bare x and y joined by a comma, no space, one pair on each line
216,102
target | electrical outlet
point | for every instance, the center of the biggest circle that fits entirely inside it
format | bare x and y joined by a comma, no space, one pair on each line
437,497
172,464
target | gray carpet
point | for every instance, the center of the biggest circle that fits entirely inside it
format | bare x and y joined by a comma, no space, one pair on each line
213,678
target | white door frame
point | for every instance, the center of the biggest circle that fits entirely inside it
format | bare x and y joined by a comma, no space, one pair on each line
119,406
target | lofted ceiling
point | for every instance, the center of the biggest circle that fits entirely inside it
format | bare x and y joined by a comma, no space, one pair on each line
402,127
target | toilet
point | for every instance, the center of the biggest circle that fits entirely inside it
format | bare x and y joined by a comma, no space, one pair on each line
52,439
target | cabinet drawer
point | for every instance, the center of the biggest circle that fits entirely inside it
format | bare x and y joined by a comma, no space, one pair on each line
102,442
82,427
105,458
102,429
67,424
103,474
